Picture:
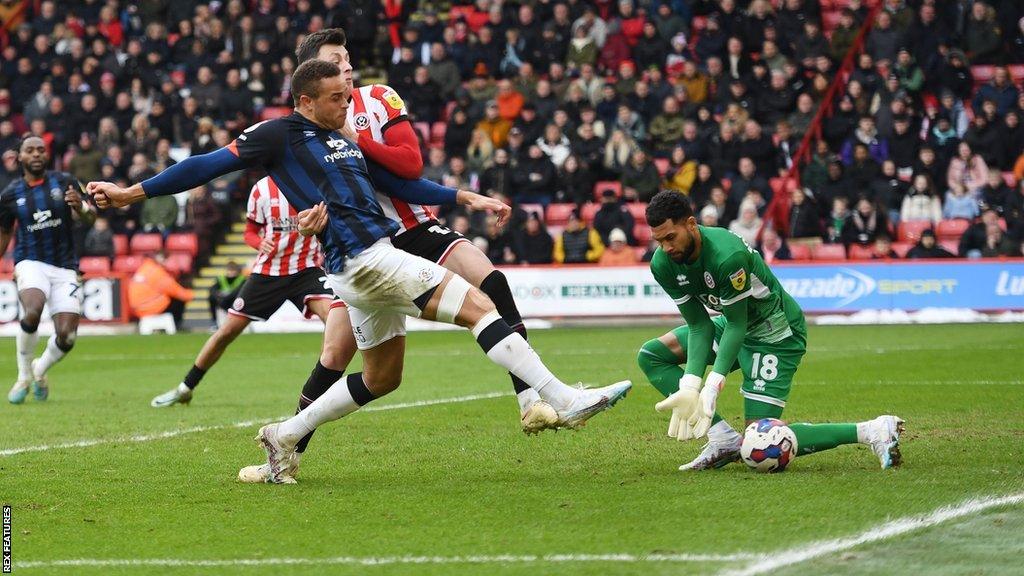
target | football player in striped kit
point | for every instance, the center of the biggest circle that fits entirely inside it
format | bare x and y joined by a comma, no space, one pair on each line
287,269
44,204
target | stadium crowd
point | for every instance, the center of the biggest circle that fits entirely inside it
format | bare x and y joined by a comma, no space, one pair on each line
576,111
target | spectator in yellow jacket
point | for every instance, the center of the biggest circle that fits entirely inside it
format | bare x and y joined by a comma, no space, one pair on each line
579,243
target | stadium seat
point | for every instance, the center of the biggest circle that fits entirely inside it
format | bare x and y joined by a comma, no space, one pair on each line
1016,73
157,322
951,246
829,20
120,244
558,214
94,265
640,251
423,128
127,264
437,132
952,229
602,185
829,252
589,210
982,73
146,243
858,252
638,210
911,231
179,263
642,233
901,248
272,112
800,251
183,242
662,164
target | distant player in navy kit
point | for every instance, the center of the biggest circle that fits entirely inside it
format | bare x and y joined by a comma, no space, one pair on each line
44,204
313,163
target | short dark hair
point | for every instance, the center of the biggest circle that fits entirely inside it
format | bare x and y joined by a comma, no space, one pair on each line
668,205
309,47
306,78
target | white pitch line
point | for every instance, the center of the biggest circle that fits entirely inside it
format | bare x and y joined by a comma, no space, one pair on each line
382,561
242,424
803,552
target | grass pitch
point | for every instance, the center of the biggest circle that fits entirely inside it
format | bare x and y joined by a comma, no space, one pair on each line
456,488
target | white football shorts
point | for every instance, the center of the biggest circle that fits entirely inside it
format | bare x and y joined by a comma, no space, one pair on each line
379,286
60,285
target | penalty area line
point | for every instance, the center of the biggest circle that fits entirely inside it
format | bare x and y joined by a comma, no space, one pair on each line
387,560
243,424
772,562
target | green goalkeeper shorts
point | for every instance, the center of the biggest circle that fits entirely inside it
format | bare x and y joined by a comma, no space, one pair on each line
768,369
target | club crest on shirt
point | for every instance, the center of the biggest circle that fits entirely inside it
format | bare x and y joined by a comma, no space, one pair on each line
238,304
738,279
361,121
708,279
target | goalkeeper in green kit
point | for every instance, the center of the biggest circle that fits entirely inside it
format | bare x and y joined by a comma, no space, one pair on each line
761,331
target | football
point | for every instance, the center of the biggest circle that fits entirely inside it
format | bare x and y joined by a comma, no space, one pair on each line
768,445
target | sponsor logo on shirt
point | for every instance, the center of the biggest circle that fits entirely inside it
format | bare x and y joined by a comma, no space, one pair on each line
682,280
391,98
43,219
738,279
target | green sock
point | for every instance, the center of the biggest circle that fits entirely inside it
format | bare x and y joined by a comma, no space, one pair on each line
811,438
660,366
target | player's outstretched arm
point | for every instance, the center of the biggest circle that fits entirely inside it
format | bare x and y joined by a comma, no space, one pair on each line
400,152
184,175
423,191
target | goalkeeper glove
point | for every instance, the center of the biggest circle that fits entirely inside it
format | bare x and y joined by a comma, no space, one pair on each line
708,401
685,407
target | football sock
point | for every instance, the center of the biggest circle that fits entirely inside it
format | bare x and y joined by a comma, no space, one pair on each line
811,438
51,356
320,379
495,285
509,350
195,374
25,343
721,432
660,366
341,399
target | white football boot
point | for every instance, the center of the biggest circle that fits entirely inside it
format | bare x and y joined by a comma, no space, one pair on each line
715,455
279,453
883,435
590,402
180,394
539,416
260,473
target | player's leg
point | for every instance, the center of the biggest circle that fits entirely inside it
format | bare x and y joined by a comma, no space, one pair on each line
454,301
212,350
32,301
466,260
768,376
65,332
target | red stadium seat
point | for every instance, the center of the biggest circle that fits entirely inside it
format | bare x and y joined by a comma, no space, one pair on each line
951,246
662,164
829,20
183,242
642,233
858,252
128,264
423,128
179,263
911,231
1016,73
638,210
120,244
94,265
437,131
952,229
800,251
558,214
602,185
829,252
982,73
147,243
901,248
589,210
272,112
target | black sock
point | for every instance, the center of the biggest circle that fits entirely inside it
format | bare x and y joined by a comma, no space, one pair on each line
357,388
495,285
195,374
25,328
320,379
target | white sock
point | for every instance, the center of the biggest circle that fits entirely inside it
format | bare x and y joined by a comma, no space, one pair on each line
331,405
722,433
863,432
25,344
50,356
526,399
513,353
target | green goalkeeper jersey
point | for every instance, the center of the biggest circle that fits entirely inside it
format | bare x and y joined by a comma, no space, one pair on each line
729,277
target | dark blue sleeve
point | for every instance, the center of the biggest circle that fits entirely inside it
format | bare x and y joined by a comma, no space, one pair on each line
420,191
192,172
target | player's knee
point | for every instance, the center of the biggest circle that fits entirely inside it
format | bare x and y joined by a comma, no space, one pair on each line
66,341
335,357
30,319
654,355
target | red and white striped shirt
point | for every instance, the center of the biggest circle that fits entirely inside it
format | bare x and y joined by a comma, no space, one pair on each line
294,252
372,109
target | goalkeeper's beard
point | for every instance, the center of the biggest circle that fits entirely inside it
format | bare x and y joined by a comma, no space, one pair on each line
685,256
